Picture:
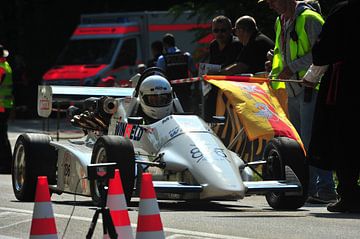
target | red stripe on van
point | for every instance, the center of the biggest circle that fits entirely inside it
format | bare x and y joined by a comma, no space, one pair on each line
176,27
105,30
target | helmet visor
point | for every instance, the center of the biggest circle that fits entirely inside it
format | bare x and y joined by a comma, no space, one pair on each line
157,100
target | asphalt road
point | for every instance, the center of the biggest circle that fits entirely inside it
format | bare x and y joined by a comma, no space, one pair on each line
247,218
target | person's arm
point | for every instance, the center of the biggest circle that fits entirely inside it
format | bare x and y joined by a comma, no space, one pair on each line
236,68
313,75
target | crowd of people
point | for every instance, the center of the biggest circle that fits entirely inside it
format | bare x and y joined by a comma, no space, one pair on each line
301,38
307,48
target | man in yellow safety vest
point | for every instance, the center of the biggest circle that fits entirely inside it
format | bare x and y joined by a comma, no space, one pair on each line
6,103
297,29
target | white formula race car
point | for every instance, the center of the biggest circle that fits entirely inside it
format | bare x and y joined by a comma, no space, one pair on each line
187,159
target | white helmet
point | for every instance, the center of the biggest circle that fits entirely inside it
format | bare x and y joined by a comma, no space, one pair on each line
156,97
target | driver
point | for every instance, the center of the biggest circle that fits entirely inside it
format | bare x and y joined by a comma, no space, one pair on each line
156,99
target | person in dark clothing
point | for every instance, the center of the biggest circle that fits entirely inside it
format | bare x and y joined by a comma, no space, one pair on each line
252,57
6,104
179,65
224,49
327,148
156,50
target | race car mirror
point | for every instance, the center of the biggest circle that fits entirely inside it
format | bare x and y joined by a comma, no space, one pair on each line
101,171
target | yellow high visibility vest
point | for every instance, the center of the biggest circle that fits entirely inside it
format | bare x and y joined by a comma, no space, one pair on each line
6,96
297,48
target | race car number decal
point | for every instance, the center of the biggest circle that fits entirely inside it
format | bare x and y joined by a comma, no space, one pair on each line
130,131
198,155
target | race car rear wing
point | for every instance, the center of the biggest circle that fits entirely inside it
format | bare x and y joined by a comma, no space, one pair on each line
49,95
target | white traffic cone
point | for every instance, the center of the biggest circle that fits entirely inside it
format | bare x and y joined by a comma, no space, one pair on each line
43,224
149,225
116,202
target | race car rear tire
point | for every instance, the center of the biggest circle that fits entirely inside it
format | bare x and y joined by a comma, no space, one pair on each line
33,156
121,151
279,153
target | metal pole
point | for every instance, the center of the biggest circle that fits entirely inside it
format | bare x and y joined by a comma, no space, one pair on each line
57,120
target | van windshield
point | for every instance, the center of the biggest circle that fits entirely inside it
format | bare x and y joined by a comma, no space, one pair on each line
88,52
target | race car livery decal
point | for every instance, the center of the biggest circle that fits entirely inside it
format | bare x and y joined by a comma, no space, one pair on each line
166,119
130,131
67,167
211,152
174,132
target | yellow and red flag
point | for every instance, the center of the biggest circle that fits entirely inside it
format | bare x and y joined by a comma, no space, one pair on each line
256,107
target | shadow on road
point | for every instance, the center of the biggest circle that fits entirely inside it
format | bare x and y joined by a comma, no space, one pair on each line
337,215
195,206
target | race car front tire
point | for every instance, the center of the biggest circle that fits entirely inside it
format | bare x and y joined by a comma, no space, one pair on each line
121,151
33,156
281,154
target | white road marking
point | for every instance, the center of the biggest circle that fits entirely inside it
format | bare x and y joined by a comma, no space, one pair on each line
16,223
173,230
179,236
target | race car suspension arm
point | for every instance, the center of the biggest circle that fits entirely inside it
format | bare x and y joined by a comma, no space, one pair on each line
252,166
157,162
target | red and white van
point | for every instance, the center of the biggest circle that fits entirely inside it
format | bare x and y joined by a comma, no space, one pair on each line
105,49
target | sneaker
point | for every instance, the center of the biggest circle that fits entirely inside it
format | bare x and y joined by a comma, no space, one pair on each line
322,198
344,206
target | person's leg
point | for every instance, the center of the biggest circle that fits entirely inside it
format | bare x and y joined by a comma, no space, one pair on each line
321,183
313,181
348,189
294,113
5,148
294,106
307,109
326,185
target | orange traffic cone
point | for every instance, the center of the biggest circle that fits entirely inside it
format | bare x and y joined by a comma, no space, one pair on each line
149,225
116,202
43,222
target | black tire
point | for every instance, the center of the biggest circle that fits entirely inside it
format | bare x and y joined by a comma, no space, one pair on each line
121,151
33,156
278,153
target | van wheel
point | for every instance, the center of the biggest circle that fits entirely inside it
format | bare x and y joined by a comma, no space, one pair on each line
121,151
33,156
283,156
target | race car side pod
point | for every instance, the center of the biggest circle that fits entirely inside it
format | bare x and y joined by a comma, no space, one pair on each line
249,79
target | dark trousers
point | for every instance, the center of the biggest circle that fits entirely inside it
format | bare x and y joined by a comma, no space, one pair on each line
348,175
5,148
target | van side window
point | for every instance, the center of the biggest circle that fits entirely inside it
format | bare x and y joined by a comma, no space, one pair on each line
127,54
